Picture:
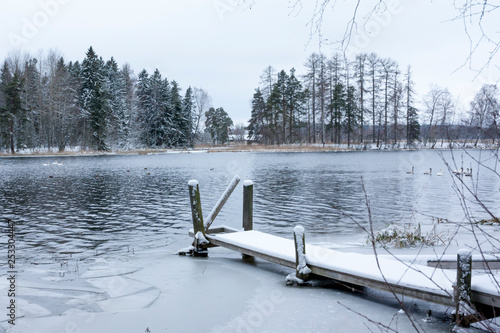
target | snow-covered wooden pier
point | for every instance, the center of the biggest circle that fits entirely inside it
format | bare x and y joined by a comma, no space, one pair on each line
470,295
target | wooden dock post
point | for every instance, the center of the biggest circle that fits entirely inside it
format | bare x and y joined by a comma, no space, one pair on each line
200,242
247,210
464,310
301,270
247,205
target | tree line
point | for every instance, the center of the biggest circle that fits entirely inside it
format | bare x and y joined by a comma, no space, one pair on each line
47,103
364,100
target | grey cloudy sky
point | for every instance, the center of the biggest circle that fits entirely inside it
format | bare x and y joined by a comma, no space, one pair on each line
223,46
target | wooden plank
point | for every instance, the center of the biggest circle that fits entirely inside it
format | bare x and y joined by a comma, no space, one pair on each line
270,258
431,296
220,229
476,264
443,297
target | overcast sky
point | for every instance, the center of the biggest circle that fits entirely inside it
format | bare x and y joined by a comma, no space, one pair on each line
223,47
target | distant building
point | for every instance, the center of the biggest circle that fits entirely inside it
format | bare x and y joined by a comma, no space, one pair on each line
244,137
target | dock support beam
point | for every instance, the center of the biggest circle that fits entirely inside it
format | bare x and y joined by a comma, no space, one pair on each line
222,201
464,310
200,242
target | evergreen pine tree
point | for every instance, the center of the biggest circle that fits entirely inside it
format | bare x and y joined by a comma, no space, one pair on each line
412,124
129,117
115,87
257,127
5,78
13,112
32,100
180,121
351,113
95,99
338,107
295,99
218,123
187,120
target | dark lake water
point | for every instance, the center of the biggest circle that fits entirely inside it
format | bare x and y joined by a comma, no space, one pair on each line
94,204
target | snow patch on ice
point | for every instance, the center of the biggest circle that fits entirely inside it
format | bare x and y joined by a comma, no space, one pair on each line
186,251
293,279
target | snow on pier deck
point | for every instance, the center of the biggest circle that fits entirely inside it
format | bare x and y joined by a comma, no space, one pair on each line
422,282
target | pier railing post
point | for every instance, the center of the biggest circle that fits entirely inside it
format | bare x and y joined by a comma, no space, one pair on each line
200,241
248,205
464,309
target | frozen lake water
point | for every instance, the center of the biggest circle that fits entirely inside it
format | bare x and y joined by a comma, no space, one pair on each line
70,209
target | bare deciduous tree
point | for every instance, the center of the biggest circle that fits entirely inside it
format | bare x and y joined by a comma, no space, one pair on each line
202,103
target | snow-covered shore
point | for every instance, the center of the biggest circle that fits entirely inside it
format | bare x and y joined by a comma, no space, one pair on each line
78,151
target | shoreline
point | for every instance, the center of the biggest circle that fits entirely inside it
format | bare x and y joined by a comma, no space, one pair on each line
240,148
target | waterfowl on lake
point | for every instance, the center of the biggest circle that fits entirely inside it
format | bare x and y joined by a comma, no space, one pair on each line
458,172
440,173
428,172
468,173
411,171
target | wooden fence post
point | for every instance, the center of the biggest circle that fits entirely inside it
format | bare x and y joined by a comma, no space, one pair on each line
200,241
464,309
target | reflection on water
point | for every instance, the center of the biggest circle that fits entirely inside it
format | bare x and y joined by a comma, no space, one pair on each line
87,204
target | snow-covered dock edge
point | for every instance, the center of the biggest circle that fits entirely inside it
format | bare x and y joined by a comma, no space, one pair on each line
470,304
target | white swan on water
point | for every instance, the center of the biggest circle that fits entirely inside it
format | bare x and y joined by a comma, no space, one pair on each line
411,171
440,173
428,172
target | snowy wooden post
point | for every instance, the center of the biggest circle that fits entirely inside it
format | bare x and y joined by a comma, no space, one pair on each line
464,310
200,241
301,270
247,210
248,205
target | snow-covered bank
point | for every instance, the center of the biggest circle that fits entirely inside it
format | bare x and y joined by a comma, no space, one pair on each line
78,151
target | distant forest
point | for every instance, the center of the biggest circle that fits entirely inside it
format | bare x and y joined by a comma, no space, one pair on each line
48,103
366,100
